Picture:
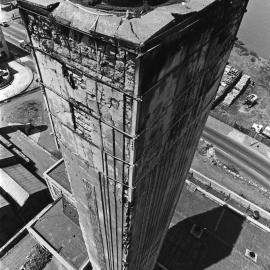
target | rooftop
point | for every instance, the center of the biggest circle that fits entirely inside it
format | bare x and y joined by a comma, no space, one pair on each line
43,159
63,235
19,252
3,202
19,183
24,178
58,173
136,30
15,257
5,153
225,237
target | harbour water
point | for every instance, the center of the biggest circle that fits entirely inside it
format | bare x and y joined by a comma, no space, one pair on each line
255,27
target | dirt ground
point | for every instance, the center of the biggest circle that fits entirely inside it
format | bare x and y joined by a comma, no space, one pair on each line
243,186
259,71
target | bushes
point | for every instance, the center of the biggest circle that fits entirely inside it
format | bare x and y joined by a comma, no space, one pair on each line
37,258
231,168
254,54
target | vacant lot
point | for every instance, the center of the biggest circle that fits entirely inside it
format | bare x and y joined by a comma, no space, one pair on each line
243,186
259,70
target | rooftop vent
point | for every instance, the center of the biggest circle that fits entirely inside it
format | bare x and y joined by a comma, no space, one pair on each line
196,231
251,255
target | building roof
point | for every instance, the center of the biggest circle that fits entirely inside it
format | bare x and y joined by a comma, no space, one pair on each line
226,236
43,160
18,251
6,157
5,153
58,173
134,30
63,235
3,202
19,183
16,256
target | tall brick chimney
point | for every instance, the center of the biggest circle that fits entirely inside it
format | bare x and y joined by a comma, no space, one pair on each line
129,93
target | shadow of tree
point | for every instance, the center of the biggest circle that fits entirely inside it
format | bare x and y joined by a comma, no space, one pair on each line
220,229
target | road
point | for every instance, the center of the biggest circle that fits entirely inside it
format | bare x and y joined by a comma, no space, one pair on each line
13,34
251,162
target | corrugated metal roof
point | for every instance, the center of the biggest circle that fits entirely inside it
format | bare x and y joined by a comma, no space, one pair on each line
22,180
12,188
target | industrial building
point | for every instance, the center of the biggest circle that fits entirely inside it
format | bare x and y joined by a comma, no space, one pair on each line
129,90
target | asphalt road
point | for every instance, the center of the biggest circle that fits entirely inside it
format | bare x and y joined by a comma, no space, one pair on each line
252,163
13,34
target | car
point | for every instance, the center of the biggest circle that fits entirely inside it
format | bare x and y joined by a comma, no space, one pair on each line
251,100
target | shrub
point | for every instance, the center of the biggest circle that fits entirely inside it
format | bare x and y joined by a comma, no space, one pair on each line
254,54
232,168
37,258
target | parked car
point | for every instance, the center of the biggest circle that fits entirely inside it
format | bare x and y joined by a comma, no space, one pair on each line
251,100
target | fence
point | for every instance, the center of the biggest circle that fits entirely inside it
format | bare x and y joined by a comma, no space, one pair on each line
248,131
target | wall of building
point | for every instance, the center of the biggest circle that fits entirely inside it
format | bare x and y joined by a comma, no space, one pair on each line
179,81
128,124
89,85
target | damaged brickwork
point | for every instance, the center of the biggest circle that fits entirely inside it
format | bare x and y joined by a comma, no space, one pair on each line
129,99
90,88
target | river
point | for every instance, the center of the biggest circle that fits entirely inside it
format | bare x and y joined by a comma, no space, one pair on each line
255,28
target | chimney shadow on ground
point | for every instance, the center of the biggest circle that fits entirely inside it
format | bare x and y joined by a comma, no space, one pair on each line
199,241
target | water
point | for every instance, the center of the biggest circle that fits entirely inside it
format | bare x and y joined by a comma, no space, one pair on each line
255,28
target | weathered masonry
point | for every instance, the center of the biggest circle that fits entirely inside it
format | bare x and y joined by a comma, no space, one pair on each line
129,92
